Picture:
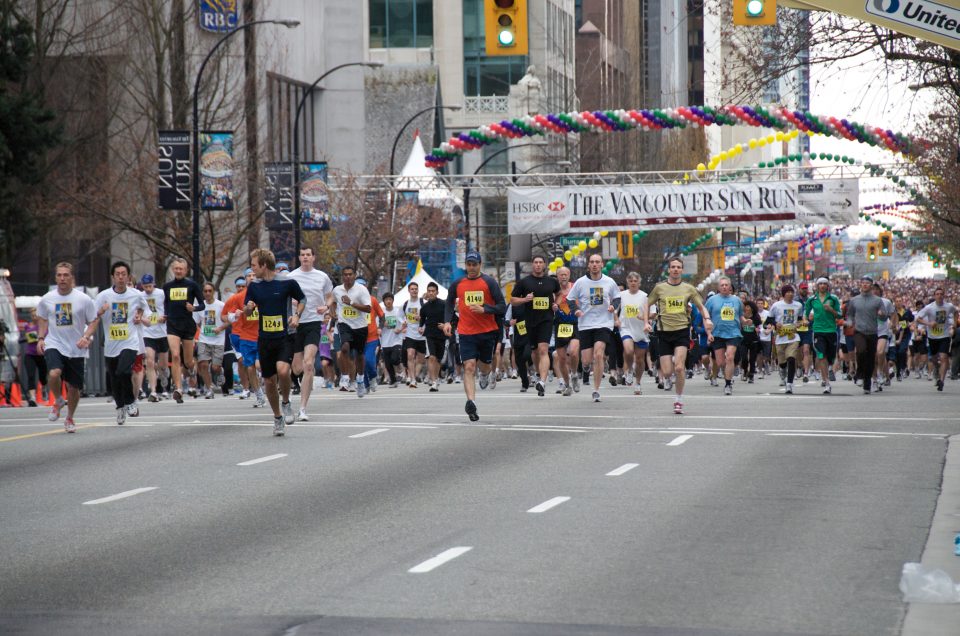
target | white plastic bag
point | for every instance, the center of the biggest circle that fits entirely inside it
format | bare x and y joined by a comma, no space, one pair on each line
920,585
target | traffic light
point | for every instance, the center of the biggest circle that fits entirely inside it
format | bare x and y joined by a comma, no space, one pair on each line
827,246
886,243
793,251
755,12
624,245
719,258
872,250
506,27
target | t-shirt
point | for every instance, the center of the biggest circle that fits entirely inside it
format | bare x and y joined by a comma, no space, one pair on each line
482,290
823,320
725,312
315,286
883,324
393,320
786,316
432,315
543,289
119,330
631,311
177,294
245,327
764,334
350,316
411,310
671,301
209,320
376,312
903,318
67,318
593,297
803,303
943,316
271,298
155,328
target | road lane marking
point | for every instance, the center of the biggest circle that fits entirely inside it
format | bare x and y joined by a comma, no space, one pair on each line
122,495
369,433
543,429
623,469
41,433
547,505
850,436
440,559
679,440
260,460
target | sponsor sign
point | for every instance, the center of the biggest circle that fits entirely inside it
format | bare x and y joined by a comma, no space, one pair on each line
278,195
216,170
932,17
173,174
672,207
218,16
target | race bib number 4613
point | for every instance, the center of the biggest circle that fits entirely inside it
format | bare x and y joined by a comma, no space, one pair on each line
541,302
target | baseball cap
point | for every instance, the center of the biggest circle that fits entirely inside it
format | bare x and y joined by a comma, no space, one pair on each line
147,279
823,280
804,285
473,255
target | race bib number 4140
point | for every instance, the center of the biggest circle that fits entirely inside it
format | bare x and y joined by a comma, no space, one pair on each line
473,297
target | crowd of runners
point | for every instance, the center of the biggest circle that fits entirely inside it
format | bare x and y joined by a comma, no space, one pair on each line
280,330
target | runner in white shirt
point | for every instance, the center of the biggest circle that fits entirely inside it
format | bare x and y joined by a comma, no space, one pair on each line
210,347
318,291
632,319
353,306
594,299
766,343
124,308
940,319
155,344
391,338
65,319
414,342
787,315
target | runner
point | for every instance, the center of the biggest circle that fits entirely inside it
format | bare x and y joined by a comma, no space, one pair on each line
822,310
180,294
371,350
538,294
121,343
632,319
353,305
479,300
672,298
940,319
786,315
391,338
246,330
567,342
806,336
414,344
884,337
318,290
155,344
270,296
210,347
726,313
431,326
64,318
594,298
864,312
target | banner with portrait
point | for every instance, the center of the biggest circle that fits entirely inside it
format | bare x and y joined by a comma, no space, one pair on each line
216,170
314,197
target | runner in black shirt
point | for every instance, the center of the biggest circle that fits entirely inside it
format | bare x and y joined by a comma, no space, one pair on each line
538,294
182,297
270,297
432,317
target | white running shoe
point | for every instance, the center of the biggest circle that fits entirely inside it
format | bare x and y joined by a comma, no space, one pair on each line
121,416
54,413
287,410
493,382
133,410
278,426
596,396
302,416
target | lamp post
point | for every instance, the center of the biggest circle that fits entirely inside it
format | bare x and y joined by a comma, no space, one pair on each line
563,163
296,148
195,155
396,140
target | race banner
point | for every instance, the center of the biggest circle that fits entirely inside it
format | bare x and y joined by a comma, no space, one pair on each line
278,195
218,16
566,210
216,170
174,182
314,198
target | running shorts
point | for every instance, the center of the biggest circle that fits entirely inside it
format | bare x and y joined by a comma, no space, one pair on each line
273,351
72,369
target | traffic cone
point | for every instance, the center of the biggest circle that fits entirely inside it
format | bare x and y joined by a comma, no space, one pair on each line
16,396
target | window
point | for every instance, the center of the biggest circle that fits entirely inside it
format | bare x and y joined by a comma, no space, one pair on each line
401,24
482,75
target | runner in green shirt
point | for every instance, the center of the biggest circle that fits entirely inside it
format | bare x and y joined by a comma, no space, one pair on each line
823,309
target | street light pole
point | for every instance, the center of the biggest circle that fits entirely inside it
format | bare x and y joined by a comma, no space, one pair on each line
195,154
396,140
296,148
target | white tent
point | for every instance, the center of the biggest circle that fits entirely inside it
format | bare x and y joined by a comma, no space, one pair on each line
432,192
420,277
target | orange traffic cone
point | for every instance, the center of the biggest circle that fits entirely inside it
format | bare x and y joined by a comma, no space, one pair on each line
16,396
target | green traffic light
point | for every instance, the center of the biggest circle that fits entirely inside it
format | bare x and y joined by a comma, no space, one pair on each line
505,37
755,8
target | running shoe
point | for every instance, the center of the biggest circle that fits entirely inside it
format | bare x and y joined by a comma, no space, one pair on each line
713,382
278,426
493,382
567,391
596,396
209,395
434,387
361,389
523,389
667,384
805,379
133,410
54,413
541,390
69,426
165,395
373,385
689,373
637,390
728,390
827,389
244,394
613,379
471,409
788,388
287,410
261,401
302,416
629,379
879,386
484,379
178,396
560,387
121,416
153,398
678,407
939,385
575,381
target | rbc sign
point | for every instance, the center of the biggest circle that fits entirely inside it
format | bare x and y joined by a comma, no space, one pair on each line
218,16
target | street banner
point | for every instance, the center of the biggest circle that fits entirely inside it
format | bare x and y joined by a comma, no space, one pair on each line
566,210
216,170
314,198
218,16
278,195
174,182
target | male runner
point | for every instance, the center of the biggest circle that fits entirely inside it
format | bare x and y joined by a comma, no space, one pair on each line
64,317
864,312
210,347
414,344
884,337
353,305
270,297
806,336
539,294
632,319
594,299
431,326
726,313
672,298
940,319
822,310
391,338
318,290
246,329
786,315
183,297
567,341
479,301
155,342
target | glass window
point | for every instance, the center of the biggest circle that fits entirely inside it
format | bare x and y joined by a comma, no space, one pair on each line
378,24
424,23
401,23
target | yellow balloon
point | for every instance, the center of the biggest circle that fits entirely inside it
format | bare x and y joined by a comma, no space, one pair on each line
810,133
568,254
582,245
686,176
723,156
771,139
575,250
778,136
752,143
593,243
762,142
701,167
604,232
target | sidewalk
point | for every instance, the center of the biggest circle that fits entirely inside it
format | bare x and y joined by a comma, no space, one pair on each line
930,619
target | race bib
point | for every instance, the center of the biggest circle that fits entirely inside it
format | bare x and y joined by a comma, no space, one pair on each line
541,302
803,328
727,313
936,330
564,330
675,304
413,316
349,312
522,327
325,339
119,332
473,297
631,311
154,319
272,323
208,330
255,314
369,318
786,331
178,293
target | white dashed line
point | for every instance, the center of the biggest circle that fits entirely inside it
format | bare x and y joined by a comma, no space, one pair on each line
853,436
623,469
369,433
260,460
122,495
547,505
679,440
440,559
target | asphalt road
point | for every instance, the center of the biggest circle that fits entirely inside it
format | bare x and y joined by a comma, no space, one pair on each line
759,513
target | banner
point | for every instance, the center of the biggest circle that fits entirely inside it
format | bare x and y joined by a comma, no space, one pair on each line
218,16
566,210
278,195
174,182
314,199
216,170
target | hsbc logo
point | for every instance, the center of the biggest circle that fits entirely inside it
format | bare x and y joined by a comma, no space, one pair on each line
556,206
